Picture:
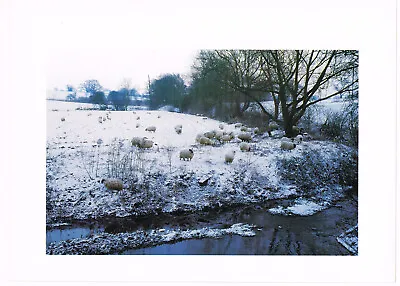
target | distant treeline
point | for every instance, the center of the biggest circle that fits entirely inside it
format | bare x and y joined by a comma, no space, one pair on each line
225,83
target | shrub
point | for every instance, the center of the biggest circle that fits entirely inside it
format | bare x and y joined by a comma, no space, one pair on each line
342,126
125,163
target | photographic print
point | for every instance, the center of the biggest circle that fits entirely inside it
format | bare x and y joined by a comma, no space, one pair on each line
212,152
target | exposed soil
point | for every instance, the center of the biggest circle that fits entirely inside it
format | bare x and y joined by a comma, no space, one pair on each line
276,234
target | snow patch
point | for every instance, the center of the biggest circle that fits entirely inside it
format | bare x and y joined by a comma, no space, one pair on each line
111,243
301,207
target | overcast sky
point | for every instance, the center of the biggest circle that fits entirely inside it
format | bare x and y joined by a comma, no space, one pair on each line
109,41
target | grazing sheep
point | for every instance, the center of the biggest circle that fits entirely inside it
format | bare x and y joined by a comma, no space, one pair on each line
159,116
218,135
273,126
89,114
137,118
230,156
198,137
151,129
257,130
296,130
137,125
136,141
178,128
146,143
209,134
186,154
205,141
226,138
244,147
100,119
245,136
243,128
62,118
238,125
285,145
221,126
113,184
104,118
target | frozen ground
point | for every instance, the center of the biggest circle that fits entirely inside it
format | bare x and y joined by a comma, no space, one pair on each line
111,243
161,182
311,175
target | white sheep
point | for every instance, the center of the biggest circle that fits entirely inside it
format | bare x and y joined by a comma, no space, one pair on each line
209,134
136,141
230,156
137,125
285,145
244,147
146,143
151,129
238,125
273,126
113,184
100,119
296,130
205,141
186,154
178,128
245,136
198,137
226,138
218,135
257,130
243,128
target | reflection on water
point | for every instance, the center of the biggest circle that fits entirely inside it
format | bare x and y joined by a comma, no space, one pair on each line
276,234
64,233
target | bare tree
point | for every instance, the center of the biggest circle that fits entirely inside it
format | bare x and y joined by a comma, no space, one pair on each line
295,79
303,78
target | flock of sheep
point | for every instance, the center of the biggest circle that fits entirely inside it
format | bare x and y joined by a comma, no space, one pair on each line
219,137
213,137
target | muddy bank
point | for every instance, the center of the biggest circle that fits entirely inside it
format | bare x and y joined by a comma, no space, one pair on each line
274,234
277,235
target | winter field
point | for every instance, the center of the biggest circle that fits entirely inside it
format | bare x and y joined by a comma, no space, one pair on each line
82,149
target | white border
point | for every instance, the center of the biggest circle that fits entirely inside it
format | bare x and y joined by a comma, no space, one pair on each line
368,26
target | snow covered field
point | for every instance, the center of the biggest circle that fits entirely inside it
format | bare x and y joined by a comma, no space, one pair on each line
161,182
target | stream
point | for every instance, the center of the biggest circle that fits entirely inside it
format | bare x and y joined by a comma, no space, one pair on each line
275,234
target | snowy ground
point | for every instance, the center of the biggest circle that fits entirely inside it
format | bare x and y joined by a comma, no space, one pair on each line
113,243
161,182
76,163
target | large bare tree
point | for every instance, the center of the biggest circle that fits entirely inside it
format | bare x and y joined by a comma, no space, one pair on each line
295,79
301,78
